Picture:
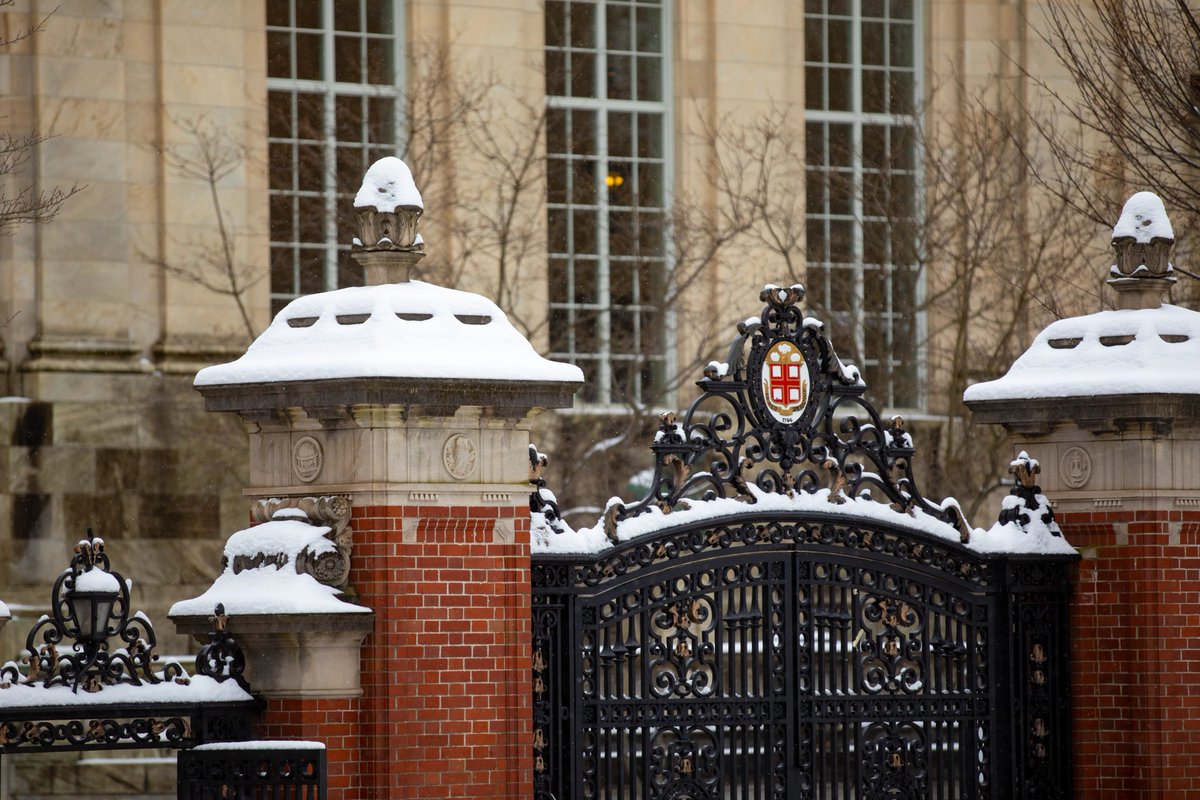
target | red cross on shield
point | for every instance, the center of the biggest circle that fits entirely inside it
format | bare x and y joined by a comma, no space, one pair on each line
785,381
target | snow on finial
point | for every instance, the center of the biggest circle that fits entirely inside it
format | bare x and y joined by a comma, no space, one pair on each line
386,210
1144,218
387,185
1142,241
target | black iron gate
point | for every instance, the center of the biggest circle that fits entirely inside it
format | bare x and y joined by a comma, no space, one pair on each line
777,658
822,646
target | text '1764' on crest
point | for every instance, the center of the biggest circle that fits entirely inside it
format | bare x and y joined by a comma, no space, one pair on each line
782,414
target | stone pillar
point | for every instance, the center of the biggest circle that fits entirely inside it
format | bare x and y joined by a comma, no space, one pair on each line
414,402
1110,404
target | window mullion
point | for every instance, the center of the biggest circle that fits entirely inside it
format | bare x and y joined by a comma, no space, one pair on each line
858,301
604,274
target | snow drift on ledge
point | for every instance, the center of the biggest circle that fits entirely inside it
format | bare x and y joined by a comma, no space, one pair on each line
1006,538
271,588
199,689
1154,350
402,330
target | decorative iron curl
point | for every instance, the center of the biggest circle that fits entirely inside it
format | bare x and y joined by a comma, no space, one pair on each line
221,658
59,654
729,438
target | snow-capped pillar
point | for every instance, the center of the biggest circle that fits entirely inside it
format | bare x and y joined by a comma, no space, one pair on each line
414,402
1110,404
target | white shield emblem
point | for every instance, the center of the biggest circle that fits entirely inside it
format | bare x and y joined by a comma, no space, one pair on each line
785,381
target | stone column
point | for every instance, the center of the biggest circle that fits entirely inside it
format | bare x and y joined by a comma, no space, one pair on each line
414,402
1110,403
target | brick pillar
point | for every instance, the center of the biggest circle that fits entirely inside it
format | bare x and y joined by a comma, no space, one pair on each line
446,673
436,472
1122,472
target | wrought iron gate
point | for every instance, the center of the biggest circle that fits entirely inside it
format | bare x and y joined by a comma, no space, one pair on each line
777,658
802,648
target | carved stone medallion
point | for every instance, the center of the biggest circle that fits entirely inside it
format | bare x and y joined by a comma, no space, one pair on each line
459,455
307,459
1075,467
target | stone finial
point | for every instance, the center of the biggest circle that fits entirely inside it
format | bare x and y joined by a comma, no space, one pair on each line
1142,240
386,209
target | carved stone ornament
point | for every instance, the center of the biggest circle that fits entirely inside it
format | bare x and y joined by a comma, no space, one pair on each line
331,511
1075,467
459,455
307,459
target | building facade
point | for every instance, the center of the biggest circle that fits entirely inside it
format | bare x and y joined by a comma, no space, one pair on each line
595,166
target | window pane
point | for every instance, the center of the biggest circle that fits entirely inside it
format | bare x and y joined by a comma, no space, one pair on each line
556,23
312,221
620,74
308,14
650,185
649,30
841,84
900,49
556,73
873,43
308,57
312,271
583,75
583,133
346,15
279,13
379,17
583,233
583,25
838,33
649,78
618,24
620,133
379,61
814,39
279,54
381,120
650,136
874,91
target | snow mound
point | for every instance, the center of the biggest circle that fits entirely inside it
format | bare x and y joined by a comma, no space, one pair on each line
388,185
592,540
273,586
1153,350
1144,218
403,330
198,689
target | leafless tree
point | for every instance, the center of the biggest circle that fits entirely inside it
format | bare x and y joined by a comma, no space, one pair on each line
212,262
1133,103
21,201
1002,258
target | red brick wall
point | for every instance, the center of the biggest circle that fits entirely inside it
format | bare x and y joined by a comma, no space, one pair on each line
334,721
1135,648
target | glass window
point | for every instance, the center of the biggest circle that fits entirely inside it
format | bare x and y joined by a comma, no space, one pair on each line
862,186
332,109
608,145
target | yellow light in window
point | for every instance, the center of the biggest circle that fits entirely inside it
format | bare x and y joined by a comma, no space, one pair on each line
613,180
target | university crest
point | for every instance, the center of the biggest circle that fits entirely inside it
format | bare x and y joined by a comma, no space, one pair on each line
785,381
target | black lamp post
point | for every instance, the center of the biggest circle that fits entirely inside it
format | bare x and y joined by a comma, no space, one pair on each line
90,601
89,605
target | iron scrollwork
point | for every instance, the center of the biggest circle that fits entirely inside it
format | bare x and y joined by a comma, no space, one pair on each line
743,430
69,647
